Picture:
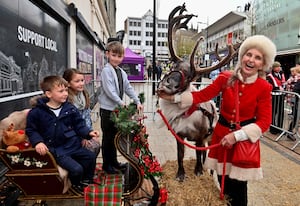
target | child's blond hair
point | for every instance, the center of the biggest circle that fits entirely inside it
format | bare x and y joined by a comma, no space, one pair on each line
115,47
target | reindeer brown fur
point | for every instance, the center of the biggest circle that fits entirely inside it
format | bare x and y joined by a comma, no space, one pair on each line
199,124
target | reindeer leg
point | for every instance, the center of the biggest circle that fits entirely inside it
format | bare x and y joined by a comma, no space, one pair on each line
200,158
180,154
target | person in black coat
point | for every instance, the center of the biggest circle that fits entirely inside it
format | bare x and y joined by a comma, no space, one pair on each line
296,88
277,79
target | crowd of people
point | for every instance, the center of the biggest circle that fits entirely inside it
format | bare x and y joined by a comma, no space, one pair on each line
279,82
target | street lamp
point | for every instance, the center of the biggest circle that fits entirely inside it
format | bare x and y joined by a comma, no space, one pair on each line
206,56
154,47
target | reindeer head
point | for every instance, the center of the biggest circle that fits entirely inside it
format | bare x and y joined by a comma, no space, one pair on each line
184,72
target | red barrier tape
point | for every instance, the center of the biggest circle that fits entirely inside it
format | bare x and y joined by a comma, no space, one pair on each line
198,148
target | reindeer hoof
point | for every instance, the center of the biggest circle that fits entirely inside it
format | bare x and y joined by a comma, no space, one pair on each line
198,172
180,178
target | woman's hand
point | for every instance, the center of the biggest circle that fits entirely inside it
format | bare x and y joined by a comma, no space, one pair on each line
228,140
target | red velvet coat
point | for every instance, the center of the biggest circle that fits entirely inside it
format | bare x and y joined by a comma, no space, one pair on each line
254,101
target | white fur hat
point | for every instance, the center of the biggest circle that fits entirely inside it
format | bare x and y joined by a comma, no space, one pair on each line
263,44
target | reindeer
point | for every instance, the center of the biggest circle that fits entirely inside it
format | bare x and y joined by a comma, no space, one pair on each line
198,125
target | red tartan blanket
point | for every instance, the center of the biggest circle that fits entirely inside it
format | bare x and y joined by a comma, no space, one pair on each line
107,190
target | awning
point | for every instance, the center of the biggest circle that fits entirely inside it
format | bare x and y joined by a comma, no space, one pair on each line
291,51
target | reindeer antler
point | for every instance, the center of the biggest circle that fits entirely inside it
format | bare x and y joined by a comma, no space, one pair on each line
176,24
232,51
180,22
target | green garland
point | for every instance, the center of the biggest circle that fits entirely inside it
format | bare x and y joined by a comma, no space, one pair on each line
128,122
125,118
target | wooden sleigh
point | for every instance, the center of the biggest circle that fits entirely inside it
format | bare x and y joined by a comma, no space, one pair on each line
38,177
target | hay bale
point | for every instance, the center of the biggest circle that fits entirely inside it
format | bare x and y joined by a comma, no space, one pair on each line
194,190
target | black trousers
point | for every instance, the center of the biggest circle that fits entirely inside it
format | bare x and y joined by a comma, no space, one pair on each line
295,115
235,191
109,131
277,112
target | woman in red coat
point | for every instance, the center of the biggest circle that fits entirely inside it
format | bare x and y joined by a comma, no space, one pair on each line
256,56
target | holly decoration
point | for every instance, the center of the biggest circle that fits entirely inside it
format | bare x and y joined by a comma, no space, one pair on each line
129,122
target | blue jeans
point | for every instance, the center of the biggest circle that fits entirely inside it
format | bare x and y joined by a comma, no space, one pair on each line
80,164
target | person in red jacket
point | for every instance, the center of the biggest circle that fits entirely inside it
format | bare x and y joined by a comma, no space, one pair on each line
256,56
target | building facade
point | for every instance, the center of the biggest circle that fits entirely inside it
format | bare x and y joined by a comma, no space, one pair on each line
280,20
232,28
41,38
139,36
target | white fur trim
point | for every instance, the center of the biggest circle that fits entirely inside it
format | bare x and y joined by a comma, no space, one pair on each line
263,44
234,172
213,164
186,99
248,80
63,174
245,174
253,131
177,98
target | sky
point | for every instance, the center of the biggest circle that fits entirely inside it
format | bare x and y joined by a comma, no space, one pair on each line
208,11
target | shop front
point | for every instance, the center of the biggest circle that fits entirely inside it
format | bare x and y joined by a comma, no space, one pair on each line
33,45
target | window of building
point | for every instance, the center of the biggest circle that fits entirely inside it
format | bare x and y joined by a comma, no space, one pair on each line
149,24
148,43
149,33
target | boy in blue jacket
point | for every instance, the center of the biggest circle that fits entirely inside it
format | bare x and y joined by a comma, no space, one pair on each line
55,125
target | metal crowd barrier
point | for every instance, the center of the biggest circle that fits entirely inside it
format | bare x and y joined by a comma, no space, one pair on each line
285,115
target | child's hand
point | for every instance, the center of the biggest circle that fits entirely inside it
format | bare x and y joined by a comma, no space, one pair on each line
140,107
94,133
41,148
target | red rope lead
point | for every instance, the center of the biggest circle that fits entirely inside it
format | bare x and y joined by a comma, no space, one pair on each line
223,176
198,148
181,140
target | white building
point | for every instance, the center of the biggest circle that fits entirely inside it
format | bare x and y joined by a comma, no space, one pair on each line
139,36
